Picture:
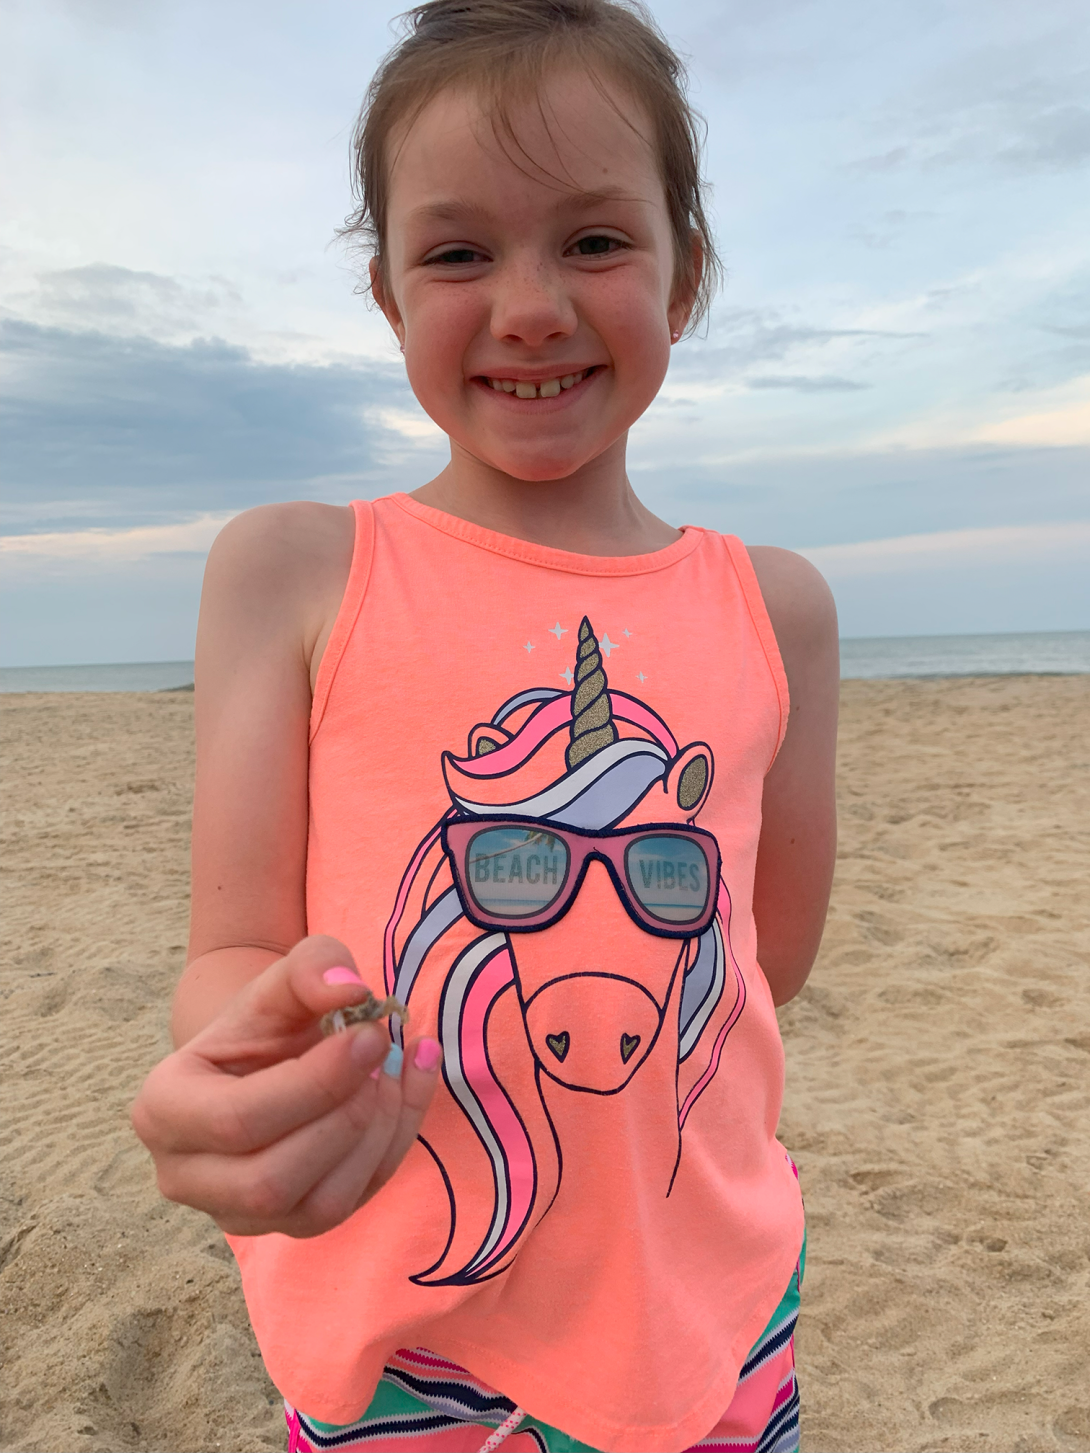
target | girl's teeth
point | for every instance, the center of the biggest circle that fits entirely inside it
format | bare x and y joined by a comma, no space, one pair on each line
549,389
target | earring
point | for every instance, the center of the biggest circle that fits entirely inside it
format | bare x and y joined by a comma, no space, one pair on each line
674,336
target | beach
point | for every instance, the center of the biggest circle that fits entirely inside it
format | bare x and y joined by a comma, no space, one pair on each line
938,1086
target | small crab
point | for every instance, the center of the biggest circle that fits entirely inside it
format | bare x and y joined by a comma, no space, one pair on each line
365,1012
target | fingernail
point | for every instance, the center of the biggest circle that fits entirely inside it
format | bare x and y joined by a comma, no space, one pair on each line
427,1055
341,975
391,1065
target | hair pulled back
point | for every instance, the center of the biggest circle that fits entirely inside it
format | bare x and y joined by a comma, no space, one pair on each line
502,50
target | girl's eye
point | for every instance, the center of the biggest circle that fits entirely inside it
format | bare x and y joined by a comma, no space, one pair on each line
596,246
454,255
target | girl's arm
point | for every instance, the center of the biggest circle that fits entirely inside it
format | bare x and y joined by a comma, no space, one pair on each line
797,849
272,588
255,1118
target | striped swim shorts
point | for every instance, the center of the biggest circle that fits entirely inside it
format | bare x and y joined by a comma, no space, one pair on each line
424,1404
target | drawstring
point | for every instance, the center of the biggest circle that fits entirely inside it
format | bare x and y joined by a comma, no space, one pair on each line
505,1429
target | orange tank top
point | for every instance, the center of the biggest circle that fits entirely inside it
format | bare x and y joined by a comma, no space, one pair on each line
535,800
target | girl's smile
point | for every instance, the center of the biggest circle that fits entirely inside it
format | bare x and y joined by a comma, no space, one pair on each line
516,388
529,275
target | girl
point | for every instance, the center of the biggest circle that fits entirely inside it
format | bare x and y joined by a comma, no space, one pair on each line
513,750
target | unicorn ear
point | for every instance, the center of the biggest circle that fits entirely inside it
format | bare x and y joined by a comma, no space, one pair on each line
690,778
484,739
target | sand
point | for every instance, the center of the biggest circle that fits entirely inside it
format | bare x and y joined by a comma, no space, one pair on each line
938,1087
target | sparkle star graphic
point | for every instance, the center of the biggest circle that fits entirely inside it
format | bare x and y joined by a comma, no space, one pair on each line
640,677
626,633
608,646
558,630
529,646
566,675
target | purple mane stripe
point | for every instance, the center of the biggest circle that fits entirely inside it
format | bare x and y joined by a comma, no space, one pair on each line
497,975
721,1038
389,963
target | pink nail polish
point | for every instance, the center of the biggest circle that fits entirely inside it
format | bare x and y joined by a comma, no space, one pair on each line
427,1055
341,975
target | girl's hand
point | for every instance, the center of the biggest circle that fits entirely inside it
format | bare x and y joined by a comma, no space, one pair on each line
267,1126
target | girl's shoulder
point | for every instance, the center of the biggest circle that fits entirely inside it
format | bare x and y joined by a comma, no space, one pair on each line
800,604
294,536
802,614
276,575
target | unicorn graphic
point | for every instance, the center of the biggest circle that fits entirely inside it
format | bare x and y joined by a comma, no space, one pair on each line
582,926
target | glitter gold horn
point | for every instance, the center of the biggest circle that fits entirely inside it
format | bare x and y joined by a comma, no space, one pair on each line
592,716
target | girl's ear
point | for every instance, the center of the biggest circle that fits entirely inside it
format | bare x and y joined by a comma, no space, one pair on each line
684,295
485,739
689,779
385,300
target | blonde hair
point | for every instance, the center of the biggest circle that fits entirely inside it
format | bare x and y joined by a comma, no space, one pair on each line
504,48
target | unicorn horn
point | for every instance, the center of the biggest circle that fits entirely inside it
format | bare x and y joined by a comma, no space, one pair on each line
592,716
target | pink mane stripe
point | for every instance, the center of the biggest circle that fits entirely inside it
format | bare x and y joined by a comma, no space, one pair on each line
549,719
631,710
720,1039
389,966
496,974
543,723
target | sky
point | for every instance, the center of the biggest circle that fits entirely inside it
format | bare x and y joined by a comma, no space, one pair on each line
895,379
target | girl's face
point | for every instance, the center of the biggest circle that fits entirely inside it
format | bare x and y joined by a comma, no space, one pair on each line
533,297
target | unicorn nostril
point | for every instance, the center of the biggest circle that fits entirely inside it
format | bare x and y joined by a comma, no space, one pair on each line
559,1044
629,1045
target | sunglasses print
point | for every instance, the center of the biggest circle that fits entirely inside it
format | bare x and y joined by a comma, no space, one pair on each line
523,876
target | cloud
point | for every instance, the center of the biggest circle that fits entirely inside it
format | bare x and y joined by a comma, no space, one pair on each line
1067,425
803,498
745,338
1060,419
1055,140
997,545
823,383
185,537
1016,106
886,228
99,297
153,431
1009,578
114,13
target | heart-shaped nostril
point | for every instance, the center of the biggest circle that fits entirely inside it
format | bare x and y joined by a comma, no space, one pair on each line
559,1043
629,1044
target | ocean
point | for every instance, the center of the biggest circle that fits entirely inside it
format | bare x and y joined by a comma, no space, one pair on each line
1049,653
122,676
1046,653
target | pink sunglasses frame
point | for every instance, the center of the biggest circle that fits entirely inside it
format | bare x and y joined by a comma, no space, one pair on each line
608,848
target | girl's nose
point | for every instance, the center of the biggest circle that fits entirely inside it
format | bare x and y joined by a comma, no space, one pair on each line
530,305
